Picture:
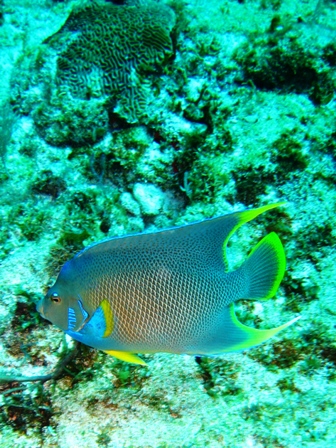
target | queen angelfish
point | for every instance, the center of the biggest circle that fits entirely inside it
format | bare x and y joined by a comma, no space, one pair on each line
168,291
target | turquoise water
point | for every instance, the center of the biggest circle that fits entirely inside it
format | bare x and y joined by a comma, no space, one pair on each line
142,116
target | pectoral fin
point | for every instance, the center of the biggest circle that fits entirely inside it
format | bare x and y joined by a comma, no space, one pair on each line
102,321
108,318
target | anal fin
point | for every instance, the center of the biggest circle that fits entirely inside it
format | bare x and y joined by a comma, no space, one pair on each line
252,336
230,335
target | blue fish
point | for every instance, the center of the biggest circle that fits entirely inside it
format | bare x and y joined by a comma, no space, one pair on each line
168,291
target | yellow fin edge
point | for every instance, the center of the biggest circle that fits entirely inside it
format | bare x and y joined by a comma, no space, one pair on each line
247,215
273,243
108,316
125,356
253,336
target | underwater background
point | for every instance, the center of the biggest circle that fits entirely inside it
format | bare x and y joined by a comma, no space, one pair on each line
226,104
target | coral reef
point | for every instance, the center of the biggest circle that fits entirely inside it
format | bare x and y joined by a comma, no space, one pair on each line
109,49
236,108
284,61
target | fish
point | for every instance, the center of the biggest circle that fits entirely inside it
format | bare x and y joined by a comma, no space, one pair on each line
168,291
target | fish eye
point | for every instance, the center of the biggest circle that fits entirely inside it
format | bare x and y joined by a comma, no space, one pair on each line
55,298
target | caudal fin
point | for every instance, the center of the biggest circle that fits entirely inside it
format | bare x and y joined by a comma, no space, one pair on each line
265,268
263,271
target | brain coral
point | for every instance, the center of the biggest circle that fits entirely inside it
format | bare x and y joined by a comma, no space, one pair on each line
107,50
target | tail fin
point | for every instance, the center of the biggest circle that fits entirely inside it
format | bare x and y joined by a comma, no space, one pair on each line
265,268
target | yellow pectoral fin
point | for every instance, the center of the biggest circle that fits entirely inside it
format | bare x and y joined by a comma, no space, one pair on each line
128,357
108,317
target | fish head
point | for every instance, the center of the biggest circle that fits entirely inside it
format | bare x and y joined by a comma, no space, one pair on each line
63,306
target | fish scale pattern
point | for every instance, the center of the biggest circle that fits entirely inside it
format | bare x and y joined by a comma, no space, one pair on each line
168,291
154,309
165,290
109,50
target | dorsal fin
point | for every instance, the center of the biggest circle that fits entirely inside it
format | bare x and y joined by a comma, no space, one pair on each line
205,240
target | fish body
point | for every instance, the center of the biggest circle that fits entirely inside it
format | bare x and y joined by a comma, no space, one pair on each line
168,291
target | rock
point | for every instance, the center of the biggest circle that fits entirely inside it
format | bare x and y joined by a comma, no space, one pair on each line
129,204
149,197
